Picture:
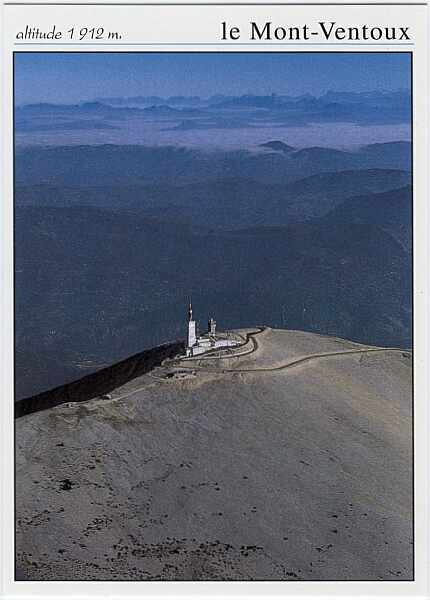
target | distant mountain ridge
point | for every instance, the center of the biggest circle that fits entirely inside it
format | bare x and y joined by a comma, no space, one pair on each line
330,96
89,165
181,114
230,203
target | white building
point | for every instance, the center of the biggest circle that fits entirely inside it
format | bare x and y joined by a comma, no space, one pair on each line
199,344
192,332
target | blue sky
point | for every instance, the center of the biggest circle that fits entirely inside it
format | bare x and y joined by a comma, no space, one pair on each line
73,77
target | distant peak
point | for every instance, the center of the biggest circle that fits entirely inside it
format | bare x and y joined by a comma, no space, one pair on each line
278,146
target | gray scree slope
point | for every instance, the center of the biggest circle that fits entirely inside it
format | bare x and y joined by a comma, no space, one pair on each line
194,471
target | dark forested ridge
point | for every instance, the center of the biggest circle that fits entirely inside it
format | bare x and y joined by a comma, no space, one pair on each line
231,202
110,241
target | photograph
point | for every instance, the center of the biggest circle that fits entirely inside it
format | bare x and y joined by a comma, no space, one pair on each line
213,316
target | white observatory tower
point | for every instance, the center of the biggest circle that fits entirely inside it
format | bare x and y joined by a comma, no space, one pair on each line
192,334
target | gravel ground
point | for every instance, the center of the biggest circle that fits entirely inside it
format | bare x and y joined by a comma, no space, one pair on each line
296,474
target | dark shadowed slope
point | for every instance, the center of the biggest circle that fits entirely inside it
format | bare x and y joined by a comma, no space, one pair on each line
226,202
390,210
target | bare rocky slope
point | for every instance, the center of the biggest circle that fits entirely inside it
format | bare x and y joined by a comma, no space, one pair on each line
291,460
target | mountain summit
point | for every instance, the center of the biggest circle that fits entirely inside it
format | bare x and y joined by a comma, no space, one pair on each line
288,459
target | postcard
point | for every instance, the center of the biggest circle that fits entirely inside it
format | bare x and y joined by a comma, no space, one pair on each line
215,234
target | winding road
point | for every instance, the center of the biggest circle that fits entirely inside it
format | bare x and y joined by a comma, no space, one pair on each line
294,363
251,336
